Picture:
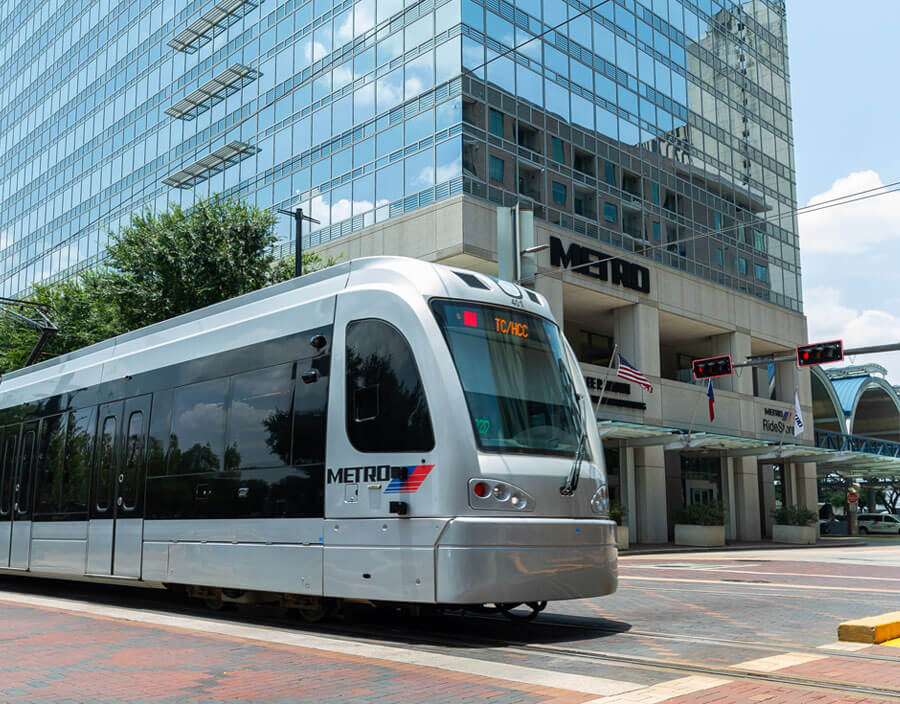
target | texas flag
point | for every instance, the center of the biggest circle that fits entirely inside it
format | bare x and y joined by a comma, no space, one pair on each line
712,400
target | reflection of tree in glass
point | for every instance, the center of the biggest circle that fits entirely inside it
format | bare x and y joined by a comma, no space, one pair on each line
199,458
78,459
400,406
278,440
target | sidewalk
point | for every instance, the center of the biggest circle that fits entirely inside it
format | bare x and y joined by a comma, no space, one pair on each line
671,548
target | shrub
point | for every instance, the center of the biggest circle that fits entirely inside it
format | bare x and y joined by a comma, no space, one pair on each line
617,512
794,516
712,514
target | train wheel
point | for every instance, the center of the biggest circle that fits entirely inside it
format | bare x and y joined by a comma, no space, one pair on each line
535,606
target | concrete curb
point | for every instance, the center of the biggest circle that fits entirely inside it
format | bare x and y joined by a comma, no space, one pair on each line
874,629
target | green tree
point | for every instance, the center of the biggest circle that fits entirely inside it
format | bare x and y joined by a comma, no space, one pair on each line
164,265
82,316
159,266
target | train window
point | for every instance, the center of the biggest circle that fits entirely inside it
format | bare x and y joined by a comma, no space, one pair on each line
259,421
311,410
134,453
23,498
107,464
386,406
7,470
158,434
197,441
49,464
77,467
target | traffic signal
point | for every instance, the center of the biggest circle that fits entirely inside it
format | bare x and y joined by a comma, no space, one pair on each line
712,367
820,353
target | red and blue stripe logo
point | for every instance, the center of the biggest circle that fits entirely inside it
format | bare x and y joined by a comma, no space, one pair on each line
415,475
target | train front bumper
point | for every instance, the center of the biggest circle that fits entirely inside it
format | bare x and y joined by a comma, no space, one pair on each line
491,560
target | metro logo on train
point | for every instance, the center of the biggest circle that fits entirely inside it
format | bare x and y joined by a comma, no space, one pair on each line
402,480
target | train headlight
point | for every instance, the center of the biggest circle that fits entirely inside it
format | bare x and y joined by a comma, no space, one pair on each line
497,495
600,500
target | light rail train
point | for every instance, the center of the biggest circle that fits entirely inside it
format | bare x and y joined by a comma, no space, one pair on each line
386,430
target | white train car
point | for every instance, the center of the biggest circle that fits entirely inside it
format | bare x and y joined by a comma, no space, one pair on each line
387,430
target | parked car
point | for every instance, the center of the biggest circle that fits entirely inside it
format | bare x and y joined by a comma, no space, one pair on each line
836,525
878,523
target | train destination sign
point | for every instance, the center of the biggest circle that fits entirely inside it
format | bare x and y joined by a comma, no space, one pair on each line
597,265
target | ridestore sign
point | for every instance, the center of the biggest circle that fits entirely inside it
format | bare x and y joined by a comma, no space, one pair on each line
600,266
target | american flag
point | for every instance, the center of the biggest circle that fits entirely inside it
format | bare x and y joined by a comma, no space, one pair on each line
631,373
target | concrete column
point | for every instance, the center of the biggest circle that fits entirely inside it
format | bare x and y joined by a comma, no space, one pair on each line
746,494
729,498
807,487
627,479
551,288
637,334
650,495
737,344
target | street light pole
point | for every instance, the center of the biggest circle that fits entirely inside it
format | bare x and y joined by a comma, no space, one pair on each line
299,217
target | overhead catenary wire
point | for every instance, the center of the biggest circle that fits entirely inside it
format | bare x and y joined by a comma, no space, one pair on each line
643,249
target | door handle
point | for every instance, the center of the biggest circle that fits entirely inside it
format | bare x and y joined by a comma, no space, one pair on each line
310,376
119,501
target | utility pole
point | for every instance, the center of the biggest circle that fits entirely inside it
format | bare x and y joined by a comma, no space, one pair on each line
299,217
34,315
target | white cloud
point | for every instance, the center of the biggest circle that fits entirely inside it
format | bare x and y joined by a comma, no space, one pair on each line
831,318
855,227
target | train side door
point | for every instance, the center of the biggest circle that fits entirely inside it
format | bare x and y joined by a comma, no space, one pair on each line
8,441
116,526
22,493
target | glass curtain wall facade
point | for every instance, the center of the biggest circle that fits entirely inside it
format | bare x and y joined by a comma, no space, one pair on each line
640,124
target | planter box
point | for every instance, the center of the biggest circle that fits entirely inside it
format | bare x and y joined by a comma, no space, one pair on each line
795,535
622,537
699,536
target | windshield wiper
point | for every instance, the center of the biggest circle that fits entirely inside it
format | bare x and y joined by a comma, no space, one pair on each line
571,484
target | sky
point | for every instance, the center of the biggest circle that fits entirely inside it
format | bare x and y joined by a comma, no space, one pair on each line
843,66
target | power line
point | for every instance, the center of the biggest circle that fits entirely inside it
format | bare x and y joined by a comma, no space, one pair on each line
893,187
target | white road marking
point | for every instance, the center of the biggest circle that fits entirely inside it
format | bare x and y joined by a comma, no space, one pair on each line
778,662
499,671
664,690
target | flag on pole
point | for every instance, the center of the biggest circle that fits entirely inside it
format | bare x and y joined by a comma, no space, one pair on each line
631,373
798,415
712,400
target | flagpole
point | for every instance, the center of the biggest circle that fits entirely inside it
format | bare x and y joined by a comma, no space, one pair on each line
609,367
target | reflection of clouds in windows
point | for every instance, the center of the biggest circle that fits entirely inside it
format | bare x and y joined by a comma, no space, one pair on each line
343,28
199,418
449,170
389,90
364,16
342,75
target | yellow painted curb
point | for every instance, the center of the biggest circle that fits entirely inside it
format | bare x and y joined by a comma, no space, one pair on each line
875,629
894,643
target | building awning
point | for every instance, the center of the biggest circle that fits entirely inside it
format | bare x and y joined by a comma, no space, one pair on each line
731,444
210,165
209,24
215,90
635,433
828,460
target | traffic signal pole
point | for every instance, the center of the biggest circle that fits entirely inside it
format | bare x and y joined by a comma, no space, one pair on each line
770,359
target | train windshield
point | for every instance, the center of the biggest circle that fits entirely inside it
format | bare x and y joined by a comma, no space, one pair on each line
515,377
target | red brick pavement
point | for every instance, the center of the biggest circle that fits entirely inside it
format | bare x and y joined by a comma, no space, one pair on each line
48,656
759,693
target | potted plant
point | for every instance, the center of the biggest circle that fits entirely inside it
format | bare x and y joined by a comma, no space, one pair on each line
617,512
795,525
701,525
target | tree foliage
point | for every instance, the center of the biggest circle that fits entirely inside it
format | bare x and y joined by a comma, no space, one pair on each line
158,266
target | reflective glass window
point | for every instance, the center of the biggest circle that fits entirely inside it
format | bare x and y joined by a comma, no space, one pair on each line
77,466
198,428
387,410
259,419
557,150
762,272
495,122
496,169
610,213
559,193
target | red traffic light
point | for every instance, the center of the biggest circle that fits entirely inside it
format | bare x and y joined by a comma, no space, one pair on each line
820,353
712,367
